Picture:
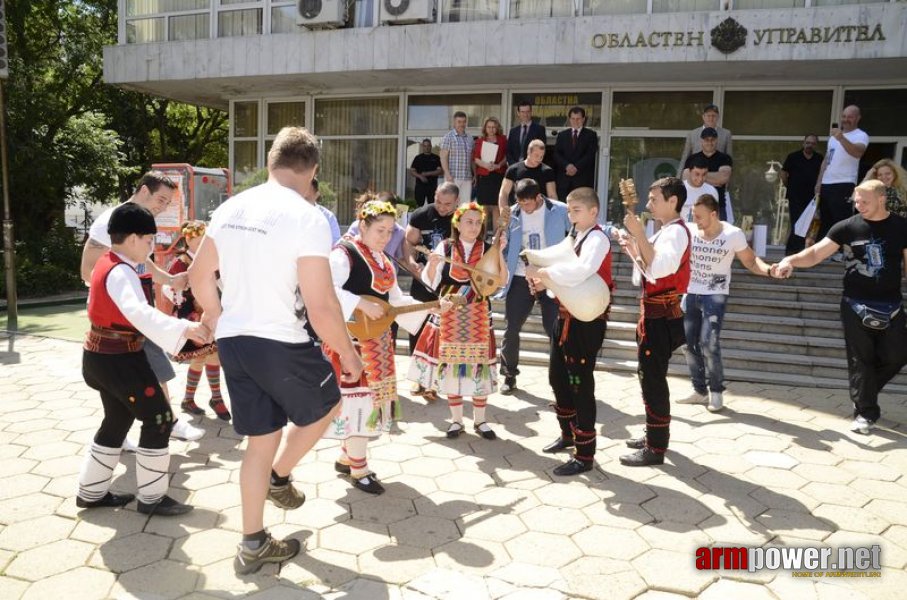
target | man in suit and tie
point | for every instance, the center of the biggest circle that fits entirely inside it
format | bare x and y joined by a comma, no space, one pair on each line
693,143
525,131
574,154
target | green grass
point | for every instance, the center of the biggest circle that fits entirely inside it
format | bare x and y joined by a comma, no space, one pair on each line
67,321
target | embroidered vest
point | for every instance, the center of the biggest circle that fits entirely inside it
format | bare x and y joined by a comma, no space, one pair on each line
102,311
677,281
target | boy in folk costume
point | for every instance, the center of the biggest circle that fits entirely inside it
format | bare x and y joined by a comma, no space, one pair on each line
113,362
361,271
458,358
575,344
199,357
663,269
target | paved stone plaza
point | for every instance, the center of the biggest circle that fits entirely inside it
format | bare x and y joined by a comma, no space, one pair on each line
466,518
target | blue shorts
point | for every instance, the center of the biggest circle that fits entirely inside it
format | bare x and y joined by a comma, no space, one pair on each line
271,382
159,362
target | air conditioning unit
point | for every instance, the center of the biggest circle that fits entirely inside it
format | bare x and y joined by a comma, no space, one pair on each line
321,14
407,11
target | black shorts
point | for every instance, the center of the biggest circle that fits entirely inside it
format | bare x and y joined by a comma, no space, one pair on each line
271,382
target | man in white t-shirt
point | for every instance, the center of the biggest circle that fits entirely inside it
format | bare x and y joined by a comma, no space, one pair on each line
714,246
271,246
696,186
536,222
839,170
154,192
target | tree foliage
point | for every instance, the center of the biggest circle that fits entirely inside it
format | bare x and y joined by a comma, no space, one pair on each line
69,133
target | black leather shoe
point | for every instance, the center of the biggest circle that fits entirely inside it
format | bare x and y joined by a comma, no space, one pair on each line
644,457
165,507
573,467
636,443
342,468
454,431
558,445
369,484
485,432
110,499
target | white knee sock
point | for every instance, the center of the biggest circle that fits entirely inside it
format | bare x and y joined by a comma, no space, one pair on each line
97,471
356,454
456,411
151,473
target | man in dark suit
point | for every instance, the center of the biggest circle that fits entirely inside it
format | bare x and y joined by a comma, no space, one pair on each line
574,154
525,131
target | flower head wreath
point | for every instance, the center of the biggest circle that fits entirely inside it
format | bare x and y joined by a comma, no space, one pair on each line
193,229
376,208
466,207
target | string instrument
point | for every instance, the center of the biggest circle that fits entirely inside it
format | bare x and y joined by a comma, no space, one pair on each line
484,282
363,327
630,199
488,278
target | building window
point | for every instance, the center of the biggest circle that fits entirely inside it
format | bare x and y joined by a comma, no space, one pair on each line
593,8
754,4
242,18
283,17
659,110
550,109
882,110
537,9
644,159
456,11
245,140
163,20
750,194
840,2
667,6
284,114
435,112
359,147
779,113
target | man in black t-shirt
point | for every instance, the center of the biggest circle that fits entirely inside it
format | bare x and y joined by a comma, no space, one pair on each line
720,166
530,168
799,174
425,169
874,243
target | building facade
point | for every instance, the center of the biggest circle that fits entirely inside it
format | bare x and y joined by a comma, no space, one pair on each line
372,78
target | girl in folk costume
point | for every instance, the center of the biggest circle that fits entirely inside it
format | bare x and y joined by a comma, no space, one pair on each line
361,272
199,357
458,357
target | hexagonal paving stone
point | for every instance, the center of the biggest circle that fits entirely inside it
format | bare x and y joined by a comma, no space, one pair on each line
834,493
672,571
544,549
199,478
428,467
53,450
668,535
353,538
470,557
447,583
320,566
603,578
22,485
445,505
83,583
25,535
318,513
382,509
131,552
162,579
100,526
424,532
205,547
217,497
12,588
795,524
197,520
396,564
464,482
555,519
673,506
574,494
231,518
492,527
610,542
50,559
849,518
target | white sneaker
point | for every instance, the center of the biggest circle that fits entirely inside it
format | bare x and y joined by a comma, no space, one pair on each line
716,402
184,430
130,446
862,425
694,398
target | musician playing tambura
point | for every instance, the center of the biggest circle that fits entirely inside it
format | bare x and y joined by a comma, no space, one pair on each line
662,267
361,274
575,344
457,357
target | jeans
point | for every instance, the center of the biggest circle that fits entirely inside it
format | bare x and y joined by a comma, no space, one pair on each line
517,307
702,318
